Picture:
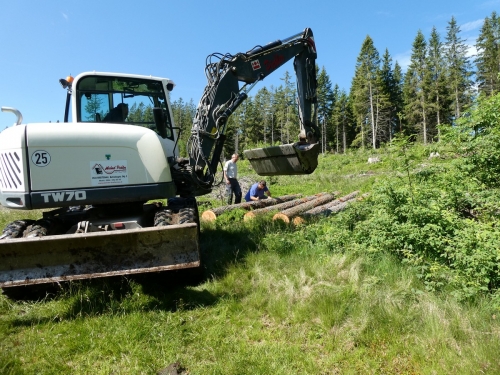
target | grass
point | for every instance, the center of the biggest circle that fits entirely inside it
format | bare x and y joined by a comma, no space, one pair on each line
275,299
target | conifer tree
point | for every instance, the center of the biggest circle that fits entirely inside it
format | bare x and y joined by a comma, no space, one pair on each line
364,91
488,56
459,70
385,105
436,81
183,118
343,121
252,120
262,101
325,105
397,98
416,90
286,110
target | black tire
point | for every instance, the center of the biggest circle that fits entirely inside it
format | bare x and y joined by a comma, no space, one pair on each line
15,229
187,209
39,228
163,218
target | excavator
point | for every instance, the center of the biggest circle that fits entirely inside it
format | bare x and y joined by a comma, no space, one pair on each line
115,196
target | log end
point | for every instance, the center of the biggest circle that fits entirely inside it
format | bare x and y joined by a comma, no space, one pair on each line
298,221
248,216
208,216
280,216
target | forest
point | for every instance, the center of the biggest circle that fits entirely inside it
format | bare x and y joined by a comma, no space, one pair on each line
442,80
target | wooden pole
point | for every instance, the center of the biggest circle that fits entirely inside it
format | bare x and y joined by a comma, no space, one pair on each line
250,215
211,215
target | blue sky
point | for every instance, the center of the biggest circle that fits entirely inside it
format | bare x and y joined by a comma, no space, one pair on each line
42,41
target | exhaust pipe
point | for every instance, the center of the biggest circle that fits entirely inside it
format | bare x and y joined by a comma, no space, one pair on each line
16,112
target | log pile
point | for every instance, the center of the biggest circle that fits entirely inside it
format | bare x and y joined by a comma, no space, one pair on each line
282,206
290,213
211,215
326,209
291,208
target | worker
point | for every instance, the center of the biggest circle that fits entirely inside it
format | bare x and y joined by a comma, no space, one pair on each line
257,191
231,177
117,114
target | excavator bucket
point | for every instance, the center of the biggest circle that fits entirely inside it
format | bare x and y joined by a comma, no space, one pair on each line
50,259
289,159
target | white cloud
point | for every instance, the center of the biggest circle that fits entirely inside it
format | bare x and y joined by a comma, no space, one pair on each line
471,50
404,60
488,4
471,47
469,26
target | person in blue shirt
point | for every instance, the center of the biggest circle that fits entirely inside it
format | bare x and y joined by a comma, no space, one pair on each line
257,191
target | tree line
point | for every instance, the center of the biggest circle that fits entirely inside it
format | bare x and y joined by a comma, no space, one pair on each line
441,82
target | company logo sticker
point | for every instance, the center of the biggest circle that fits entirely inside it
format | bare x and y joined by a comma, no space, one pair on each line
255,65
109,172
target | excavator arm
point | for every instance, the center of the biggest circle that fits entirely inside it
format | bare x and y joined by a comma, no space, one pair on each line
223,95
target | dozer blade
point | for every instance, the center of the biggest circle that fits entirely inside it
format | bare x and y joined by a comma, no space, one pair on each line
290,159
49,259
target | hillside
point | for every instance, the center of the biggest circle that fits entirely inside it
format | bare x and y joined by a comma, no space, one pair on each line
402,282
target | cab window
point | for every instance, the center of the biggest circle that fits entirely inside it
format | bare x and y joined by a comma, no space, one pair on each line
121,100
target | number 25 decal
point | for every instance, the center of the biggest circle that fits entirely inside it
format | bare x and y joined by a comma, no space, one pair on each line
40,158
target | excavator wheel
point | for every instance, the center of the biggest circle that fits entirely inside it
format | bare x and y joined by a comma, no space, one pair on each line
163,218
15,229
39,228
187,210
18,229
187,215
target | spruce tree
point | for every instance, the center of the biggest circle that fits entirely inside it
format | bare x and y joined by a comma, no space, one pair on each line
325,105
343,121
488,56
416,89
436,80
364,92
262,101
459,70
386,106
397,98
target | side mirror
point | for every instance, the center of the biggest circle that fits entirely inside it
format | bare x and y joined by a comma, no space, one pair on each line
160,123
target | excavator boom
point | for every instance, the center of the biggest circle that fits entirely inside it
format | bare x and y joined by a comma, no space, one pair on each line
222,96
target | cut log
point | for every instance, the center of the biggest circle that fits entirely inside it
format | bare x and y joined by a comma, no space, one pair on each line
323,208
211,215
282,206
288,214
327,209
